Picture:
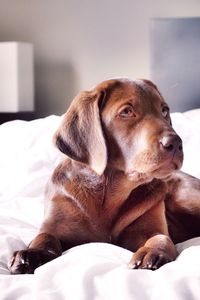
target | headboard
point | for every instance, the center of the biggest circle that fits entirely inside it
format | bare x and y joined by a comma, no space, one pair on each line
175,61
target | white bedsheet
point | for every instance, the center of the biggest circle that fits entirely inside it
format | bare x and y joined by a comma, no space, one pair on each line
93,271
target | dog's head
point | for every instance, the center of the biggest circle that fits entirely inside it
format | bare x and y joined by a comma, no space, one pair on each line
124,124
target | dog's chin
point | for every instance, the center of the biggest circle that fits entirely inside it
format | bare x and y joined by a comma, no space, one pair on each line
162,174
167,168
160,171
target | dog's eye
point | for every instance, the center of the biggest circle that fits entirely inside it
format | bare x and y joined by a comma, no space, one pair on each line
165,111
127,112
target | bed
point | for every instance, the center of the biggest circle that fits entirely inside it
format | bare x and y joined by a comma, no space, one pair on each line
95,271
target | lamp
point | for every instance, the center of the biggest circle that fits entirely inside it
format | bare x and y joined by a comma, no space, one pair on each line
16,77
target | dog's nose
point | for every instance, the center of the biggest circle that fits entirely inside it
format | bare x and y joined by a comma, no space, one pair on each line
171,143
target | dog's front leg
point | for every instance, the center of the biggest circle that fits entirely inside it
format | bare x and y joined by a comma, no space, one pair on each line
155,247
157,251
148,238
42,249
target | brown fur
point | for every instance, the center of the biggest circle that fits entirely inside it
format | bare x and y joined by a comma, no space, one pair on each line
119,182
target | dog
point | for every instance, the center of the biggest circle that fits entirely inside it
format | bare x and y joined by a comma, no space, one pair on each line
120,182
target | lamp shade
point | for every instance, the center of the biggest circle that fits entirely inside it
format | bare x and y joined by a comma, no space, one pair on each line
16,77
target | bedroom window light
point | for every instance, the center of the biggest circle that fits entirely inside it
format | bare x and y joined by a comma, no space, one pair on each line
16,77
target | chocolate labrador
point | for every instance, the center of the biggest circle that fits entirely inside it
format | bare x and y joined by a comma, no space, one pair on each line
120,181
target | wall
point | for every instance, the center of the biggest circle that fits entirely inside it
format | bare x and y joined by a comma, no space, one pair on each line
79,43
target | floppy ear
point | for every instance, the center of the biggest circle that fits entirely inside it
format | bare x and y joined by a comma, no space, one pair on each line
80,134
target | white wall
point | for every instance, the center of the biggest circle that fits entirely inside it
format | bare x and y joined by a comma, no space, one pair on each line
81,42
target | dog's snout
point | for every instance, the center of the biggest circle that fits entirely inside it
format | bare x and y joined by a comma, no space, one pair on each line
171,143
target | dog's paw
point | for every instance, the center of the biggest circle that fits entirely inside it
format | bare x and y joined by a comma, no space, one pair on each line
148,258
26,261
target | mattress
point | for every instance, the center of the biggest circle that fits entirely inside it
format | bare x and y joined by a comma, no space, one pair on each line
94,271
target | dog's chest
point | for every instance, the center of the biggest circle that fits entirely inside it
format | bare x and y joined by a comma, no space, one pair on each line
101,206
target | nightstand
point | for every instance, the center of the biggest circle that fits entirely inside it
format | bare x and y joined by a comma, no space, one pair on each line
27,116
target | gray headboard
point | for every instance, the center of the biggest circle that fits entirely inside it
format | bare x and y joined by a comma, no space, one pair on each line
175,61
